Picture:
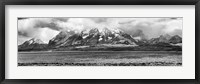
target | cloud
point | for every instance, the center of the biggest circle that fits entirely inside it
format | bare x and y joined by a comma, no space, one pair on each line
47,28
154,27
45,34
21,33
99,20
36,28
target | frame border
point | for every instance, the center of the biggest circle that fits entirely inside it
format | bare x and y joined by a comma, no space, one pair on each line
3,3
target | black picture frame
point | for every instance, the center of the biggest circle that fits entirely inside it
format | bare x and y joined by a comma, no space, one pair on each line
99,2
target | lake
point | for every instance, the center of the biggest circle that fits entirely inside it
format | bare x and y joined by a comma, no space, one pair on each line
100,58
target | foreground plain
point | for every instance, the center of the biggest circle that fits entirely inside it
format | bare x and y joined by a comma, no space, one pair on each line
100,58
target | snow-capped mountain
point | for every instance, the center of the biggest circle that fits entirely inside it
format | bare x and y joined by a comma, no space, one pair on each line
161,39
32,44
61,38
95,37
33,41
91,37
175,39
165,40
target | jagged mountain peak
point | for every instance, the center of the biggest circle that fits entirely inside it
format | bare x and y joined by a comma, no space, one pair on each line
34,41
66,32
165,36
63,34
32,44
61,38
90,36
176,36
93,31
175,39
101,31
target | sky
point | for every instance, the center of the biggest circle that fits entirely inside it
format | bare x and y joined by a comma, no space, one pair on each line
47,28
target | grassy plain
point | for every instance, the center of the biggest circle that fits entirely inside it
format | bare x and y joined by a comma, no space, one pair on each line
100,58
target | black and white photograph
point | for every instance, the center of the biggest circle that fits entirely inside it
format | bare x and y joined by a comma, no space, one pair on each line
99,41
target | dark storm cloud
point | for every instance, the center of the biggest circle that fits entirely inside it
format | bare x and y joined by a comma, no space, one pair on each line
24,34
51,25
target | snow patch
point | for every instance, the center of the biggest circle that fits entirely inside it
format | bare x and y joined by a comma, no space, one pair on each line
116,35
100,38
137,38
85,36
109,38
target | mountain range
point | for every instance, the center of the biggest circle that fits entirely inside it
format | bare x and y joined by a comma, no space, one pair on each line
104,39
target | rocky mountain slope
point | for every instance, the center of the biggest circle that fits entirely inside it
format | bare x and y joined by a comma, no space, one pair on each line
92,37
